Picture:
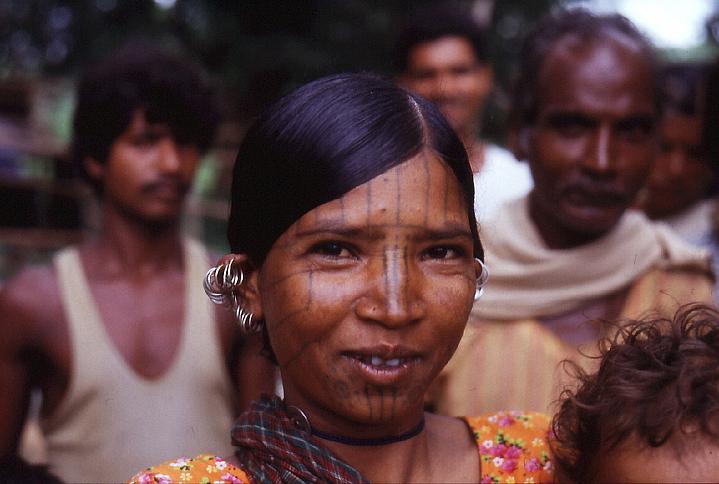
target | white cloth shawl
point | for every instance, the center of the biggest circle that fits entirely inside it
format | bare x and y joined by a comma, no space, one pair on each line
528,280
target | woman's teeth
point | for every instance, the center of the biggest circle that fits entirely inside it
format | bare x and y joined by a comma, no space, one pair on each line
377,361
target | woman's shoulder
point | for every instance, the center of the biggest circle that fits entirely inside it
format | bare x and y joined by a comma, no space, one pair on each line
204,468
513,446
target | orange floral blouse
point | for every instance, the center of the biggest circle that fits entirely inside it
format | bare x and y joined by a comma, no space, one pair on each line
512,448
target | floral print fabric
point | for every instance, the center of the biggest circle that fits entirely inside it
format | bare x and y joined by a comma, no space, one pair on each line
512,448
203,469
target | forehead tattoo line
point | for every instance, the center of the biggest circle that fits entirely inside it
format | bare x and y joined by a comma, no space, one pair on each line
399,194
405,262
446,197
428,179
369,202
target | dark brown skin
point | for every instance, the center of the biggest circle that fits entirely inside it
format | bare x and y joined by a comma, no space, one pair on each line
131,267
592,145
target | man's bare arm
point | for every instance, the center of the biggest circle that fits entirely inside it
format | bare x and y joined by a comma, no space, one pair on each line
19,302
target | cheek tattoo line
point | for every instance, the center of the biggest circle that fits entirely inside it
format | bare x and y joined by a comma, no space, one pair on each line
394,401
381,404
339,384
369,402
271,285
305,308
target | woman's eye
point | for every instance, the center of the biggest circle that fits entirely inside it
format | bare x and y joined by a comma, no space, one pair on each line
331,249
442,253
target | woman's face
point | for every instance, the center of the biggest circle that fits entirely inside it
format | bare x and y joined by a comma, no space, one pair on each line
366,297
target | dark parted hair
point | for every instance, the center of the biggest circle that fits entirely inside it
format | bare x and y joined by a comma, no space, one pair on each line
656,378
434,22
168,88
324,139
579,24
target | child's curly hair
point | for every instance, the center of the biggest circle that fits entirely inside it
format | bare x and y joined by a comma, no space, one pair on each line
656,377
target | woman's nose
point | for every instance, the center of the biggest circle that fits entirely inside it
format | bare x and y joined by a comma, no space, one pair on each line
394,295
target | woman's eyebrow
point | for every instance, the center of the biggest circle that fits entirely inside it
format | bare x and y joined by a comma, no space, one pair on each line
373,231
452,232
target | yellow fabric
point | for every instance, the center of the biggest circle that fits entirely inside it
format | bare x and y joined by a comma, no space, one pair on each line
112,421
512,365
529,280
512,448
515,364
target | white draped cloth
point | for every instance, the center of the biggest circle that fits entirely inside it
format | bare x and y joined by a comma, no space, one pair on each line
529,280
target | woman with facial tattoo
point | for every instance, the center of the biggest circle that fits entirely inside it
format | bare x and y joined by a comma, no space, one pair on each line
355,252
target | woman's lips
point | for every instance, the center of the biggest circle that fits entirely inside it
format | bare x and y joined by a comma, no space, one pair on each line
382,370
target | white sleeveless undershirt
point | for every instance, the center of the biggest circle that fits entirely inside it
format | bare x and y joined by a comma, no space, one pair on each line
112,422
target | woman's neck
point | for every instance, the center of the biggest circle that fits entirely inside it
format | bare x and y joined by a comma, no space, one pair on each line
443,452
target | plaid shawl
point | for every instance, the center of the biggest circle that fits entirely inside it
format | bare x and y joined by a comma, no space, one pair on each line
272,449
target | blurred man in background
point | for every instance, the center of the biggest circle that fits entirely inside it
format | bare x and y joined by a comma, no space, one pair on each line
572,254
441,54
682,178
133,364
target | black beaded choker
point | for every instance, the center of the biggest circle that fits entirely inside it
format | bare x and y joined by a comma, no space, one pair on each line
391,439
300,420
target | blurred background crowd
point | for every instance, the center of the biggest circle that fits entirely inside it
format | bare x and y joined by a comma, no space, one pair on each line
255,52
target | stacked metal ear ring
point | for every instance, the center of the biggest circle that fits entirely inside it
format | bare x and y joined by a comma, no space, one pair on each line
220,285
481,279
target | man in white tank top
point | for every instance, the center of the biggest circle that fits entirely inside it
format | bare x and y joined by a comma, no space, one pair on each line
133,363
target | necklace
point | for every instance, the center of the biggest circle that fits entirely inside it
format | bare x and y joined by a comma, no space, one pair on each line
390,439
301,421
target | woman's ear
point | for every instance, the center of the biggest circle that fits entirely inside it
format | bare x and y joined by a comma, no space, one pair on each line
246,292
250,294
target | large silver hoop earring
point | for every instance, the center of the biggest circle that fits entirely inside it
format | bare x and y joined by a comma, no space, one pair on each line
221,283
246,320
481,279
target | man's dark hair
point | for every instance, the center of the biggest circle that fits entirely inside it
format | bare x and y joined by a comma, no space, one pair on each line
434,22
168,88
578,24
682,88
656,378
